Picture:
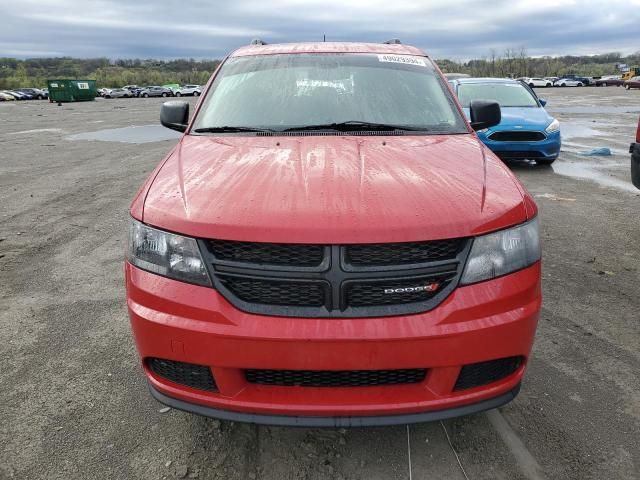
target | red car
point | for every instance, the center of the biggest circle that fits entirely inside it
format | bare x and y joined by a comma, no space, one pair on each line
632,83
330,244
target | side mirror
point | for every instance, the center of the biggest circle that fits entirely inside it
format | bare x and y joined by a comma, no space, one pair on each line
635,165
543,102
175,115
484,114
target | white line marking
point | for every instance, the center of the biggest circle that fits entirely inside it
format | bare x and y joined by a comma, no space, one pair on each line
454,450
527,464
409,452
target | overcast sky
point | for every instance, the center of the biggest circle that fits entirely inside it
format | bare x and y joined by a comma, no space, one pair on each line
459,29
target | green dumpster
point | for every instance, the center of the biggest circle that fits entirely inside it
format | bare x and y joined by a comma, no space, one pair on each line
68,90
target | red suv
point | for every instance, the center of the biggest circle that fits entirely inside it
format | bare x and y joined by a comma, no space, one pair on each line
330,244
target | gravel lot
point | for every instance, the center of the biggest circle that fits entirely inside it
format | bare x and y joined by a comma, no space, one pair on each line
73,401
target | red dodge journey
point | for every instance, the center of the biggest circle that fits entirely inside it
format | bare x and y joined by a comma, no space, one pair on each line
329,244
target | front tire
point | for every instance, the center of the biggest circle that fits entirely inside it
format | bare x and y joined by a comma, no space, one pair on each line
548,85
580,85
531,85
164,94
178,94
145,95
195,94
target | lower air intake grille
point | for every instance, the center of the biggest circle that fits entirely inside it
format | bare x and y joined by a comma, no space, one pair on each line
483,373
340,378
194,376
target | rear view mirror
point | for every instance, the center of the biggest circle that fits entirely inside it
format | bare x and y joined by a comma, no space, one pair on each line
635,169
175,115
543,102
484,114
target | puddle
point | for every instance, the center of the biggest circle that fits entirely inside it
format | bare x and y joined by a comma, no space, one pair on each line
577,130
133,134
37,130
587,171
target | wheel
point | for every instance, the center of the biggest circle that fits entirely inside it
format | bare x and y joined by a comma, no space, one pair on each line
195,94
579,85
548,85
164,94
563,84
178,94
40,97
545,161
604,84
145,95
107,96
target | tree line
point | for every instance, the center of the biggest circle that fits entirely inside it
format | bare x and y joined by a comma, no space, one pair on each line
34,72
517,63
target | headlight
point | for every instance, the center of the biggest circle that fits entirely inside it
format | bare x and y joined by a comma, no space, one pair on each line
553,127
502,252
167,254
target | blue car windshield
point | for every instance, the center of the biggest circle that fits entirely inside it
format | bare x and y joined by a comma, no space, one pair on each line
506,94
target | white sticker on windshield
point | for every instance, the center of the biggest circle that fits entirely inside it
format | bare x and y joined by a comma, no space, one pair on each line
402,59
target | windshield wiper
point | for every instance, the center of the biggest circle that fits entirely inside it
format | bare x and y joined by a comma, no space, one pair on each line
355,125
228,129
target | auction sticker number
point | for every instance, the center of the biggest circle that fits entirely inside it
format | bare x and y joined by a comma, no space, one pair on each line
406,59
83,86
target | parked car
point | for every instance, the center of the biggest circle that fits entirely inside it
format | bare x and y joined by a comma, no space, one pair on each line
634,150
118,93
568,82
35,93
537,82
633,83
335,251
186,90
609,81
526,129
18,95
6,97
155,91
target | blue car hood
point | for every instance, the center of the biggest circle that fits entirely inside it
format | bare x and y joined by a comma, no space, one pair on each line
525,118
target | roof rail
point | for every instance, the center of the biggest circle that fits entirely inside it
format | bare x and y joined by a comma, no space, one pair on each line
393,41
257,41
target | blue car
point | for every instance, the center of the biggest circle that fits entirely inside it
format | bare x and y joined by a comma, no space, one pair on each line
526,131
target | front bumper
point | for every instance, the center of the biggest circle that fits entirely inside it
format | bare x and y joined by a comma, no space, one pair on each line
549,148
177,321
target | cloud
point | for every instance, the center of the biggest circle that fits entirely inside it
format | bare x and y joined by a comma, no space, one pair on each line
203,29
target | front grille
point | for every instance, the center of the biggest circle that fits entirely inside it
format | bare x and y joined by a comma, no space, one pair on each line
301,255
483,373
517,136
270,292
194,376
318,281
339,378
361,294
383,254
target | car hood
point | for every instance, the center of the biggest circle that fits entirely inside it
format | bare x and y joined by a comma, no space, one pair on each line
525,118
333,189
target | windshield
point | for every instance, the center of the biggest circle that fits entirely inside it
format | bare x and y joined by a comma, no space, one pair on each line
279,92
506,94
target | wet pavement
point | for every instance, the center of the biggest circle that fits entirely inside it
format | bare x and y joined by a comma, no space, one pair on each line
73,400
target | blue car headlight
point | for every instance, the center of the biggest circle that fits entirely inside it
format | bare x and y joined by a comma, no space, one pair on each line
553,127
